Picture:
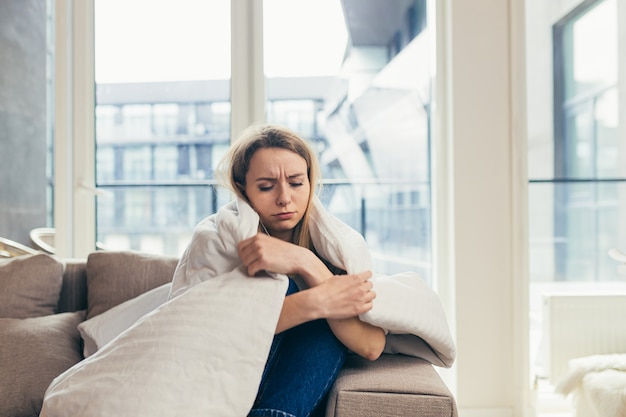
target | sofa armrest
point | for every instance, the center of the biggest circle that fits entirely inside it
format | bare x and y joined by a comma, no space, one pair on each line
74,289
393,385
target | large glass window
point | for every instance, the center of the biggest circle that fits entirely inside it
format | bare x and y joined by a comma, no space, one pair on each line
577,163
360,90
587,175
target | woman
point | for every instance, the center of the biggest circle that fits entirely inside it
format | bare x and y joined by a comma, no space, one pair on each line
228,342
275,171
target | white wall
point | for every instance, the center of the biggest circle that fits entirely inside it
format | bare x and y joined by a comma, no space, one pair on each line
485,159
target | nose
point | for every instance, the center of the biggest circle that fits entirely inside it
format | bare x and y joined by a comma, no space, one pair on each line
283,197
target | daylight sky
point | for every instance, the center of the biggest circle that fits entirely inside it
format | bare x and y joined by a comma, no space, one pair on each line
169,40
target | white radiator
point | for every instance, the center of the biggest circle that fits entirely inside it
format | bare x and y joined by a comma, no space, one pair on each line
581,325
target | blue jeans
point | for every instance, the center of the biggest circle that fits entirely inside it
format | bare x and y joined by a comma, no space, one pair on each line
303,363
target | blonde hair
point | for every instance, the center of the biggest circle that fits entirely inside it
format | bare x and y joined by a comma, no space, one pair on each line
232,169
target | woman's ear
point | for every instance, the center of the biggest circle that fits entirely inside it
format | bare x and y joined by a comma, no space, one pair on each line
242,189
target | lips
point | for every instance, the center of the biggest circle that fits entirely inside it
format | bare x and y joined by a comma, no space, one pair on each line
284,216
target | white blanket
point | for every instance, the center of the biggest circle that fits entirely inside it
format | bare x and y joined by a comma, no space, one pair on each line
203,351
597,384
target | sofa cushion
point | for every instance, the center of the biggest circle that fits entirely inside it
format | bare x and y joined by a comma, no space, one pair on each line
33,352
114,277
30,285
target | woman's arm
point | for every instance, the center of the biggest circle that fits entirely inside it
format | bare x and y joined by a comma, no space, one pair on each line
352,332
339,295
339,299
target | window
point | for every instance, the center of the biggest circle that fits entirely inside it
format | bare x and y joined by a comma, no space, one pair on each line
162,119
587,145
576,158
360,90
587,179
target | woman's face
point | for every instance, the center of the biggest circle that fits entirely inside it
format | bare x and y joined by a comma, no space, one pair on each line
278,188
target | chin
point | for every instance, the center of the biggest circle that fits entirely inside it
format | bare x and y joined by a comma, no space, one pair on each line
283,227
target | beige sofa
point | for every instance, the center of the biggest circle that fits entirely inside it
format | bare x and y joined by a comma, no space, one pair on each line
42,300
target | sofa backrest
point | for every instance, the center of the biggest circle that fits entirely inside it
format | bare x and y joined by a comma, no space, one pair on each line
74,289
108,278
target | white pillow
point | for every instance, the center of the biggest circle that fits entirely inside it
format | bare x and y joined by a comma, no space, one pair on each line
411,312
101,329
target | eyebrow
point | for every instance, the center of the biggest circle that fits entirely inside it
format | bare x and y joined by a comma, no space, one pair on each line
290,177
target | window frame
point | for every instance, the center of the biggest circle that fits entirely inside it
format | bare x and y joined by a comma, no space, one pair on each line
74,121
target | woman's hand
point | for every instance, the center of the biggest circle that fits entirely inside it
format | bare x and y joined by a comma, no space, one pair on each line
345,296
262,252
340,300
348,296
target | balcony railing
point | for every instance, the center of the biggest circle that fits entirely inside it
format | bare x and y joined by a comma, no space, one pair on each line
159,216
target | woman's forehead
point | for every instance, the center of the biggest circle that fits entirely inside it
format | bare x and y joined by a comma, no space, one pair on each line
277,160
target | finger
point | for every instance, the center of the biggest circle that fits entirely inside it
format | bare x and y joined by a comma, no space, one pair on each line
243,248
252,270
248,244
249,250
365,275
245,242
254,267
248,258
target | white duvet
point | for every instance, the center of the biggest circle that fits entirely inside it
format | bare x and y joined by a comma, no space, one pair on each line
202,352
